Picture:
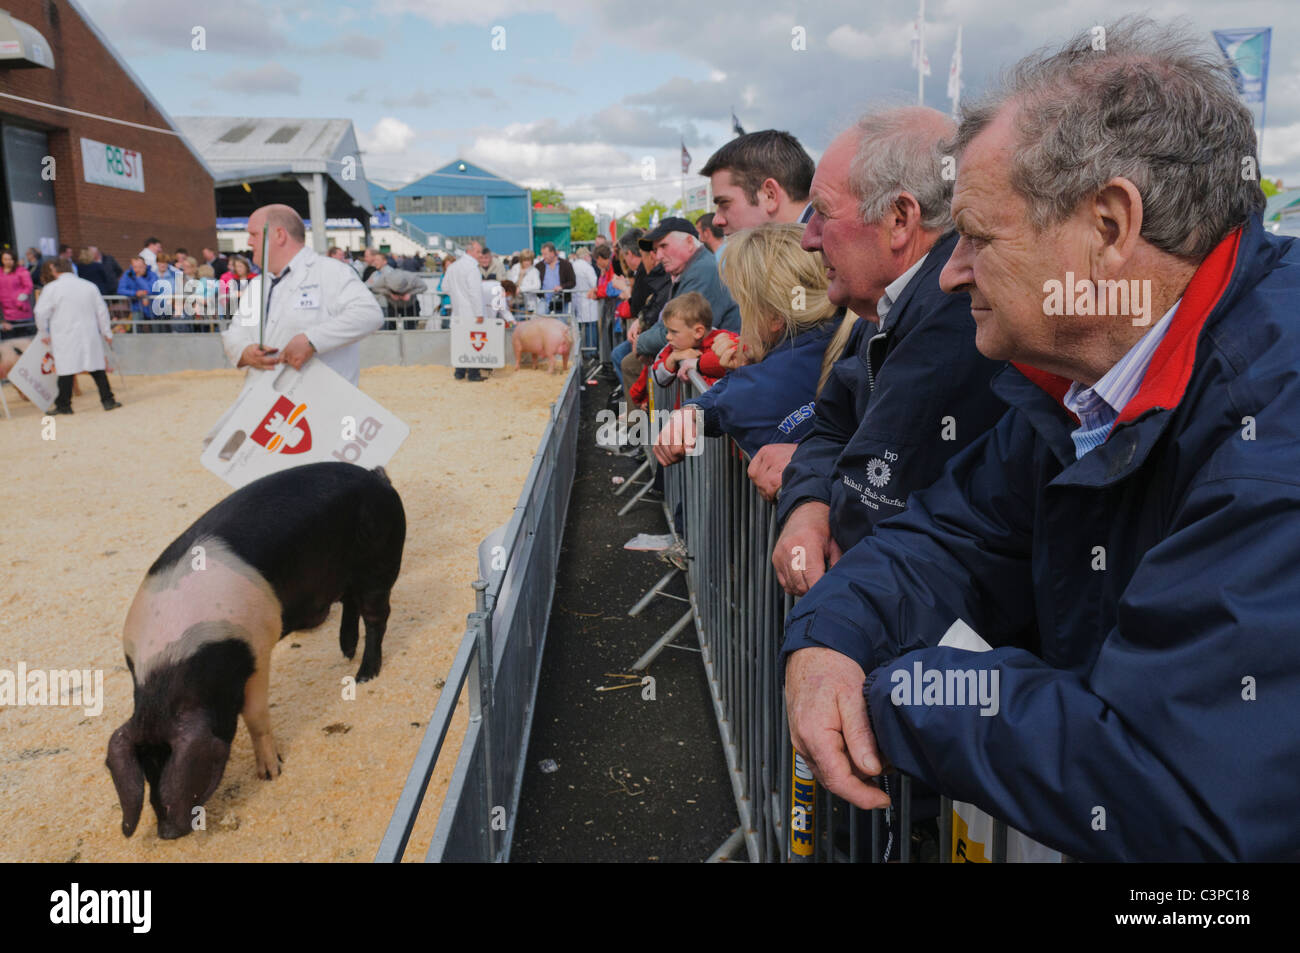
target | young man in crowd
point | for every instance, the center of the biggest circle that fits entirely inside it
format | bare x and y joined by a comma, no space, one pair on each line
759,177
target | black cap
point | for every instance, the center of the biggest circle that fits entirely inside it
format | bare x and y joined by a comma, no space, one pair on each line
674,224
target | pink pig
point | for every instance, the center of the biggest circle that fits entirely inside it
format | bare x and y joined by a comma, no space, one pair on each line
544,339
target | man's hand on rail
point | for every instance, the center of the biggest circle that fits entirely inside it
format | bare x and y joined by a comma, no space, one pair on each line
677,438
828,724
804,548
768,465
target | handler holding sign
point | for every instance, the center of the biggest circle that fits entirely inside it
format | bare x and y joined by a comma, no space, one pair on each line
464,282
317,305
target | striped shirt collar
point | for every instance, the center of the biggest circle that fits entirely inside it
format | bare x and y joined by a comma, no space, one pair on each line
1098,406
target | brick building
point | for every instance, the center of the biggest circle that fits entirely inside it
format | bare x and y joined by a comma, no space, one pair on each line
89,157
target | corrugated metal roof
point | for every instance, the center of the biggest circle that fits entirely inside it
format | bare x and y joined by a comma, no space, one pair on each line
239,147
238,140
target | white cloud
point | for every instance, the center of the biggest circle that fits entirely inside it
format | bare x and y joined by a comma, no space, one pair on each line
891,40
388,136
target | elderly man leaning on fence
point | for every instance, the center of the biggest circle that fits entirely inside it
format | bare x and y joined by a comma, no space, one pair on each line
913,390
318,305
1128,535
691,267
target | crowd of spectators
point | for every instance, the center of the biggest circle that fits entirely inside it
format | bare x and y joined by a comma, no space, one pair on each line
1092,509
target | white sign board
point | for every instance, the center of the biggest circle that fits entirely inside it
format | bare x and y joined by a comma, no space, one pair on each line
288,418
35,376
113,166
478,345
697,199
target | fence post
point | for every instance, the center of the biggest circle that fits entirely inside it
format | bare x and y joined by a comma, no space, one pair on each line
483,676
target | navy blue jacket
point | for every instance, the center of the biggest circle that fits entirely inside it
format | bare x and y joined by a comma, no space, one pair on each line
771,401
700,274
895,409
1162,571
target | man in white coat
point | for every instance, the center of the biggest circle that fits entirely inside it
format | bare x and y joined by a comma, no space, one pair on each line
319,307
72,319
464,283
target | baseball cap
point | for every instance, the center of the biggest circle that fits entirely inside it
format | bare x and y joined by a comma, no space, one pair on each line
673,224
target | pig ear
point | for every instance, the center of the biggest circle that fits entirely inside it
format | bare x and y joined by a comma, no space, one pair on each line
128,776
192,773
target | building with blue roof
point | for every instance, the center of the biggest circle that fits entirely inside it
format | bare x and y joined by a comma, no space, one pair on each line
463,201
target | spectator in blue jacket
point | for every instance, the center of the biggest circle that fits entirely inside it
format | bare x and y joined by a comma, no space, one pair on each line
1128,536
914,390
784,353
136,283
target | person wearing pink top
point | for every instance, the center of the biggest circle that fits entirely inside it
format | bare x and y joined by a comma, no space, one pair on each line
15,298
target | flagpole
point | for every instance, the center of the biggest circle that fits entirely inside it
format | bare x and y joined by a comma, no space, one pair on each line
920,56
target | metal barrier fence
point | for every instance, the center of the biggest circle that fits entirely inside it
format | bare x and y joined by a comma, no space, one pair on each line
739,609
500,658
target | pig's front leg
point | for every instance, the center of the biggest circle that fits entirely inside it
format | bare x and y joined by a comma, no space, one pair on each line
257,716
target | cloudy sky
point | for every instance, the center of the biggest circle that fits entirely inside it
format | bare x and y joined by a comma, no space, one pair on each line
576,95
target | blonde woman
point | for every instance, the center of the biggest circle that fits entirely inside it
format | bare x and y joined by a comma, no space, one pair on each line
788,342
527,280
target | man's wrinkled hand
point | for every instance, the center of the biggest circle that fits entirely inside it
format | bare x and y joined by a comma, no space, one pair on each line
677,439
768,465
828,724
804,548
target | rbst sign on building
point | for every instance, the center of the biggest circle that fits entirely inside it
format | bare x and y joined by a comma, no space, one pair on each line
113,166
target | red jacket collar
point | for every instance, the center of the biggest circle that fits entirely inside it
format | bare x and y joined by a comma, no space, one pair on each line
1171,366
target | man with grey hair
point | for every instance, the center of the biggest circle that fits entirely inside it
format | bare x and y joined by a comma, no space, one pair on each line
318,306
691,267
1128,534
913,390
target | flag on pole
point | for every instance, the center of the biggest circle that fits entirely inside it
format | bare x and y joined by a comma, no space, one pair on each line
686,159
1247,55
736,127
920,60
954,75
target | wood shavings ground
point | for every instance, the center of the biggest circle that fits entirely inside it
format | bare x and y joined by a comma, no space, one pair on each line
89,512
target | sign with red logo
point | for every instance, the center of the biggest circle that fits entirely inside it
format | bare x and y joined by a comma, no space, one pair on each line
267,429
35,376
284,429
478,345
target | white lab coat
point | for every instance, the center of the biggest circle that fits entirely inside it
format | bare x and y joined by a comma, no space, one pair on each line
320,297
71,311
587,309
464,283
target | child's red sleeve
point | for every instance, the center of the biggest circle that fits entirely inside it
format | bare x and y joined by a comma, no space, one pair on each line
639,392
709,364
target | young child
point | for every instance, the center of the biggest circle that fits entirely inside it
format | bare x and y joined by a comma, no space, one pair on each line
688,319
786,351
